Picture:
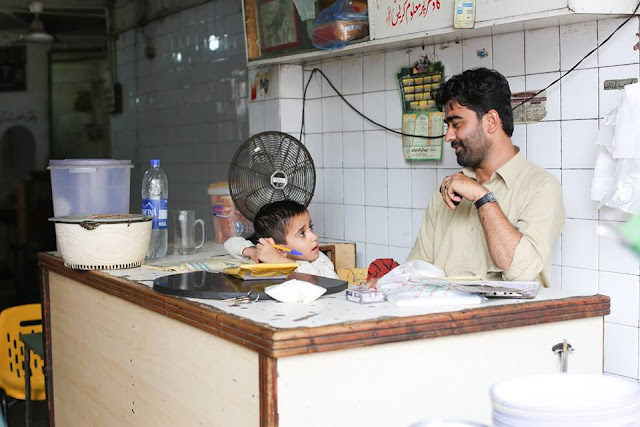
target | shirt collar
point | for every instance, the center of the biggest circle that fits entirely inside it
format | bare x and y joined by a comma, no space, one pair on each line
508,172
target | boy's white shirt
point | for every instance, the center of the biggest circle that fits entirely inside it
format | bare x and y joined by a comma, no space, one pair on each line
320,267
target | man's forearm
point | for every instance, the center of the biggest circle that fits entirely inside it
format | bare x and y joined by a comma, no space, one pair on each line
502,237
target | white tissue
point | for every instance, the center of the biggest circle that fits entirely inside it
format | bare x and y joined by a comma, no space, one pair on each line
295,291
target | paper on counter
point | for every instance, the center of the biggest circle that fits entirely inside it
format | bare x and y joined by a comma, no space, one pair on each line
295,291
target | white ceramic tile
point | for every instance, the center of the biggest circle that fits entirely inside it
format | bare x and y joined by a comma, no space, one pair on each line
374,108
354,186
417,53
508,54
394,109
477,52
375,149
450,54
272,115
579,281
394,60
399,254
375,187
354,223
621,350
540,81
580,244
256,117
313,142
615,257
353,149
373,252
360,255
332,114
544,144
542,50
318,193
333,186
576,40
580,94
291,81
556,277
332,149
423,182
399,193
334,221
416,221
351,120
617,50
352,75
624,291
578,143
400,227
314,90
610,214
373,72
313,116
291,115
517,84
333,70
519,138
395,157
576,191
316,212
609,99
376,225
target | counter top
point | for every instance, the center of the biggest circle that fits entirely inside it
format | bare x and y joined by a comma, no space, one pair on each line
331,322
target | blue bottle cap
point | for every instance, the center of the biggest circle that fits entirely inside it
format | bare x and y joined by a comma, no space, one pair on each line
155,163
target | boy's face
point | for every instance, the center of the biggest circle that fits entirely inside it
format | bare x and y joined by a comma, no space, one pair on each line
300,236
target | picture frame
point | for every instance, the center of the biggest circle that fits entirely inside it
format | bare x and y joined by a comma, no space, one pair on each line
278,24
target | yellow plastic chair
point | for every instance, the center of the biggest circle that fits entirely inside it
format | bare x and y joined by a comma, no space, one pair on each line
15,321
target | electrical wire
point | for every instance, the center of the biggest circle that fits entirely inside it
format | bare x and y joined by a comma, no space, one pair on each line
314,70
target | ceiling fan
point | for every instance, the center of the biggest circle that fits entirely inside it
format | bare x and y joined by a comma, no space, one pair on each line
36,33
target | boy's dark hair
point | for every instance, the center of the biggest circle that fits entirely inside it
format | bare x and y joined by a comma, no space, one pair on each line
480,90
272,220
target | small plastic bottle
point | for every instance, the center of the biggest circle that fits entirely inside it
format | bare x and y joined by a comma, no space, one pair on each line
155,195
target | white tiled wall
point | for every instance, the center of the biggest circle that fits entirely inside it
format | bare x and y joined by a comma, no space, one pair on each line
187,105
372,196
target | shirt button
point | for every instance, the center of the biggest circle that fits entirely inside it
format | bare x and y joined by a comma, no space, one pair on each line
471,228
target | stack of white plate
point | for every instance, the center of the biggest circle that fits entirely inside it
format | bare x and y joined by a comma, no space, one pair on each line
566,400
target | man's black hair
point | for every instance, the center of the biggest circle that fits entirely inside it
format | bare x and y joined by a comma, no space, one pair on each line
480,90
273,219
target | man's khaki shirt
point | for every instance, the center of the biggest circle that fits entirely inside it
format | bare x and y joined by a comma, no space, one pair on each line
530,198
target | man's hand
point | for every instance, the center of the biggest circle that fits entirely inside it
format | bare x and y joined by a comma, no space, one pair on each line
252,253
267,253
458,186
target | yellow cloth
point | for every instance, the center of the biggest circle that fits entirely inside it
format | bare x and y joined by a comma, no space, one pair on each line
262,270
208,264
530,198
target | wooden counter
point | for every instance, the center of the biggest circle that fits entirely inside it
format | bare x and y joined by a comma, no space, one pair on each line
120,353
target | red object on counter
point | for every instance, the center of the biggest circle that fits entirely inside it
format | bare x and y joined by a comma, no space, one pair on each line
380,267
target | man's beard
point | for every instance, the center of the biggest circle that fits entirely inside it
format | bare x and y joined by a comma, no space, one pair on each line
474,149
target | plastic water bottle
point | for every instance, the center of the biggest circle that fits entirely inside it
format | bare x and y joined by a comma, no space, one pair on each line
155,194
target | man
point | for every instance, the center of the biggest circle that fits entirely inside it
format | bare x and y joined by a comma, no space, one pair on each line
499,217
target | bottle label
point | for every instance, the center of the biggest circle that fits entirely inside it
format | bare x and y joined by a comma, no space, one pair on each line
157,208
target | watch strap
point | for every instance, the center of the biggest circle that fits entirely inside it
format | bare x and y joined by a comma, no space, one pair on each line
487,198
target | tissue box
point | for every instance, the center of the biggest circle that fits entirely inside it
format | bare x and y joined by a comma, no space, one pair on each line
364,295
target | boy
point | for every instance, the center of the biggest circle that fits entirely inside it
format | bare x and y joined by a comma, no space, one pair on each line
284,223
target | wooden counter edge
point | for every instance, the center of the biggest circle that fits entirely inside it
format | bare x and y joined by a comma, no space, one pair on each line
272,342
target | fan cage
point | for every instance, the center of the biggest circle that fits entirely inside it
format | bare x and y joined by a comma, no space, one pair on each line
269,167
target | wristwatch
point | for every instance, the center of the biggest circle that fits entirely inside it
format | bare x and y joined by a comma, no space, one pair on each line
487,198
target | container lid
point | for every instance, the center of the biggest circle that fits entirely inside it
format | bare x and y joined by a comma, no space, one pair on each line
221,187
75,163
101,218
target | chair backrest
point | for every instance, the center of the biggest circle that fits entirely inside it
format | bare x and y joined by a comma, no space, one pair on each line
15,321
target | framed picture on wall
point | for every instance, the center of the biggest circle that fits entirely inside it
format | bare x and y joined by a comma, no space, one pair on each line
13,75
278,24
